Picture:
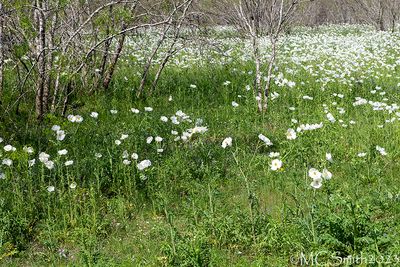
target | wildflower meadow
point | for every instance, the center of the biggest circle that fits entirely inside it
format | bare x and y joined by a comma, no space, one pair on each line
195,175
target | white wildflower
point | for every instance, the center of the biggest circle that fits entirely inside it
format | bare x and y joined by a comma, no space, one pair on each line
60,135
50,189
327,175
28,150
265,139
31,162
291,134
62,152
227,142
381,150
144,164
72,185
7,162
314,173
9,148
274,154
276,164
49,164
56,128
43,157
330,117
317,183
328,157
78,118
361,154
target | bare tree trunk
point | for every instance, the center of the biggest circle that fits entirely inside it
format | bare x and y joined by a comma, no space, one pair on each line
150,60
256,53
257,82
393,15
1,50
114,61
171,51
159,44
65,103
121,41
381,21
107,45
50,59
41,58
160,70
269,74
275,29
55,93
393,23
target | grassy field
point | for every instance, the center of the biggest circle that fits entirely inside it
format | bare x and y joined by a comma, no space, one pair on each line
91,197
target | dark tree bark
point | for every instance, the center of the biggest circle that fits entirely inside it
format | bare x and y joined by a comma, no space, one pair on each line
114,61
107,45
381,20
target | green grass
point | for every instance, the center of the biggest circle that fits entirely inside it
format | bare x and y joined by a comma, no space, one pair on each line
199,204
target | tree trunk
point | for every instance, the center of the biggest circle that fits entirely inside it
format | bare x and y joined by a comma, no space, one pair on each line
381,20
271,62
394,18
66,99
256,54
50,59
1,50
150,60
381,24
257,82
114,61
170,51
41,59
107,45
